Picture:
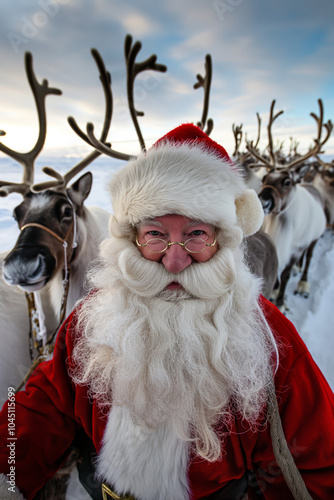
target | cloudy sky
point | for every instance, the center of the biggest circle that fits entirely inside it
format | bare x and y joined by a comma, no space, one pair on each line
261,50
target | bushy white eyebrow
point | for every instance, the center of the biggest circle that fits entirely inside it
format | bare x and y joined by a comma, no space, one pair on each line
195,222
199,222
148,222
152,222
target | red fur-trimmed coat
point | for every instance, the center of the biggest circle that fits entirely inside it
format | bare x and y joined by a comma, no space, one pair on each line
51,409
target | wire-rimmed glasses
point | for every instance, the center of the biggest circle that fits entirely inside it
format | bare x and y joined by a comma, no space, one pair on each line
192,245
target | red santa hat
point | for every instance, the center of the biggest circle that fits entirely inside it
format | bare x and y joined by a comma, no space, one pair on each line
185,173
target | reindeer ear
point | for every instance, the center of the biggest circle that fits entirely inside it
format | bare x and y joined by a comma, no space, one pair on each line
249,212
299,172
80,189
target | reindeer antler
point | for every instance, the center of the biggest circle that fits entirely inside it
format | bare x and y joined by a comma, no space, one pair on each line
272,118
237,132
252,148
205,82
133,69
293,146
105,79
60,181
99,144
327,166
258,130
27,160
318,143
313,151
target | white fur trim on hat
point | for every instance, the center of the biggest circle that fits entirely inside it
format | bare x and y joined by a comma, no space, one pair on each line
186,179
249,212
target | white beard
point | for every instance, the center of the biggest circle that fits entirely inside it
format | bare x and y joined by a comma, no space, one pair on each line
186,360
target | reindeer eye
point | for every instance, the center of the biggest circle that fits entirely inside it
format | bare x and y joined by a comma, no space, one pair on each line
17,213
67,212
286,182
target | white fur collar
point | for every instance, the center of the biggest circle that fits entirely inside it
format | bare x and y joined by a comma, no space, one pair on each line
149,464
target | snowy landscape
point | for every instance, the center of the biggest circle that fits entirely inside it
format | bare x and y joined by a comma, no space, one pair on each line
312,317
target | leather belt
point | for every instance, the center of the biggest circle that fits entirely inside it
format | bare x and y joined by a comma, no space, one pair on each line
232,491
107,493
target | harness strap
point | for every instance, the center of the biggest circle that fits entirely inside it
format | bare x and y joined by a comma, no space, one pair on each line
48,230
278,209
59,238
42,334
282,453
37,330
33,323
44,349
273,188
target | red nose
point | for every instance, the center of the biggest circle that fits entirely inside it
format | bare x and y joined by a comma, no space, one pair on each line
176,259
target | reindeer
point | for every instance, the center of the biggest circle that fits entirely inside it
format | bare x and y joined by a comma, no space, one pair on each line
260,250
295,217
253,173
58,239
262,260
323,181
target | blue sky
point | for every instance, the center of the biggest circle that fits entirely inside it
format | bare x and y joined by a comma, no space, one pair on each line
261,50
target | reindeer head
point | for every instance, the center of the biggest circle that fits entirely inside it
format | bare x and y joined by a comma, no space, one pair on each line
278,187
280,182
46,220
47,216
326,171
328,177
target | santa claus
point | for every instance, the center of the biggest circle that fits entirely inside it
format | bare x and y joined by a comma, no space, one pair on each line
168,363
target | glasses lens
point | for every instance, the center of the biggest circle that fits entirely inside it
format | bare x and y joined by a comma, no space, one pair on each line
156,245
195,245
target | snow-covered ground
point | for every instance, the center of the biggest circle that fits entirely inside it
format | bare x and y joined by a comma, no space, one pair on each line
312,317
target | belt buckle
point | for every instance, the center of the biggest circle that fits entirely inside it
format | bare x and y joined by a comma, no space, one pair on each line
107,493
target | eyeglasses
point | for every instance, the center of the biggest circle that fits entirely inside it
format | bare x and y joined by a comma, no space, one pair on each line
193,245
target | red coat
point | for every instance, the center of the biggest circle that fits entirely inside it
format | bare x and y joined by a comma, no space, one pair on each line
52,408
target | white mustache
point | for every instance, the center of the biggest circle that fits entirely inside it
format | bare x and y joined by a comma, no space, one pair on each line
205,280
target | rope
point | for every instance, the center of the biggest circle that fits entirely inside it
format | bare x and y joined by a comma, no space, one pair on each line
42,334
33,323
38,338
44,350
40,226
74,242
282,453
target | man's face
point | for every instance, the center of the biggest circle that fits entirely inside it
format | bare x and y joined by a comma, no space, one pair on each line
176,228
